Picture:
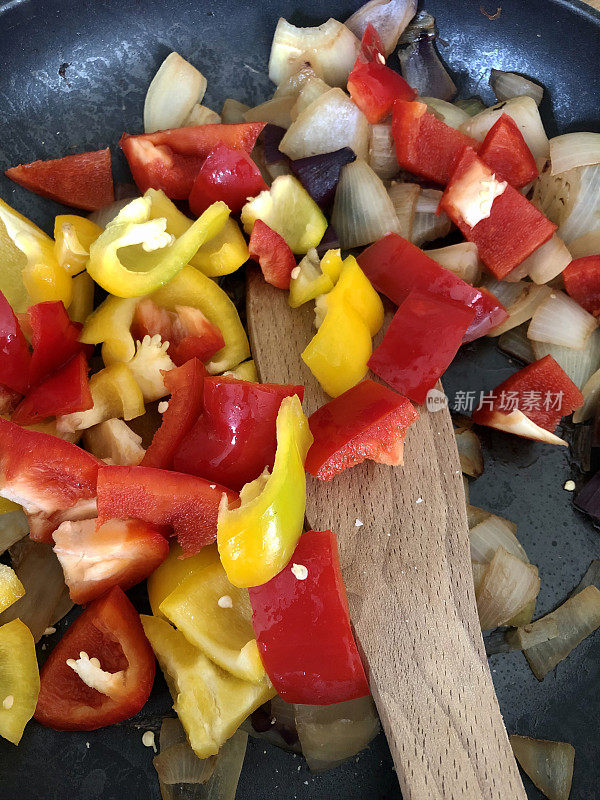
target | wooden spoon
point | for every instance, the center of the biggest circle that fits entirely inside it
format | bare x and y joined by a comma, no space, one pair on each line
404,551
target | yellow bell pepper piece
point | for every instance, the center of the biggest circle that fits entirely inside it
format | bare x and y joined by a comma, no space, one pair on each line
216,617
331,264
109,325
135,255
73,236
115,393
211,704
257,539
45,281
11,588
308,281
19,679
191,288
244,372
82,302
223,254
338,353
354,289
7,506
174,570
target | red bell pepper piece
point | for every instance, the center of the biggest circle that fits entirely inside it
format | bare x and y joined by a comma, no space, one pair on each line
514,227
373,86
505,151
170,160
14,352
55,339
185,386
302,626
187,504
46,475
395,267
273,254
9,400
582,282
62,393
425,145
189,333
420,342
542,391
229,175
83,180
234,438
367,421
109,630
118,553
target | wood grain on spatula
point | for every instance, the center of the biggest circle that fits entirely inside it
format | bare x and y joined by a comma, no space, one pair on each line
408,576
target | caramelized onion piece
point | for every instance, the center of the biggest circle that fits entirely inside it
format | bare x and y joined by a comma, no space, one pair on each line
548,764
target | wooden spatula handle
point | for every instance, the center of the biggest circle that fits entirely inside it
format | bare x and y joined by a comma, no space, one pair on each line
404,551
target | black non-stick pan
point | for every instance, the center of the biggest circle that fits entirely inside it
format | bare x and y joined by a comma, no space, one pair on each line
73,76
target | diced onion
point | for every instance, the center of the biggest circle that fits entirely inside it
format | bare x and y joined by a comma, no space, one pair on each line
516,274
516,344
274,722
490,534
13,527
404,196
571,200
173,92
330,48
507,85
452,115
578,364
293,85
547,261
427,225
591,577
331,122
476,515
420,63
524,616
560,320
312,89
472,105
179,764
201,115
462,259
576,618
507,293
531,634
586,245
548,764
478,573
523,308
388,17
469,452
331,734
114,439
573,150
382,151
233,111
362,210
518,424
507,586
591,398
275,111
526,115
107,213
171,732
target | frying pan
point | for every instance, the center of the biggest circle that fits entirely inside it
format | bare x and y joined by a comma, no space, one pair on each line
73,76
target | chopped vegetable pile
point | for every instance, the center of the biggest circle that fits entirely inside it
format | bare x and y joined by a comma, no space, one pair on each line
137,442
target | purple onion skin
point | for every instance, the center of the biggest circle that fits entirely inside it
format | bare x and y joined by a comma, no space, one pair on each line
329,241
272,136
423,70
588,499
320,174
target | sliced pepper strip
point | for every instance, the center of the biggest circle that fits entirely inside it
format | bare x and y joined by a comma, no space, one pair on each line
257,539
20,678
354,289
73,236
109,326
158,260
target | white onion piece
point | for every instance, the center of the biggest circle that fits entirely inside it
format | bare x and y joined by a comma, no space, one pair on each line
518,424
179,764
548,764
469,452
560,320
591,397
107,213
404,197
173,92
507,293
13,527
529,635
526,115
516,274
507,586
331,122
39,571
171,732
312,89
293,85
114,439
547,261
472,105
507,85
201,115
427,225
331,734
516,344
330,48
382,151
275,111
523,307
388,17
576,618
462,259
476,515
478,573
490,534
572,150
586,245
449,113
362,209
578,364
591,577
466,487
571,200
233,111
